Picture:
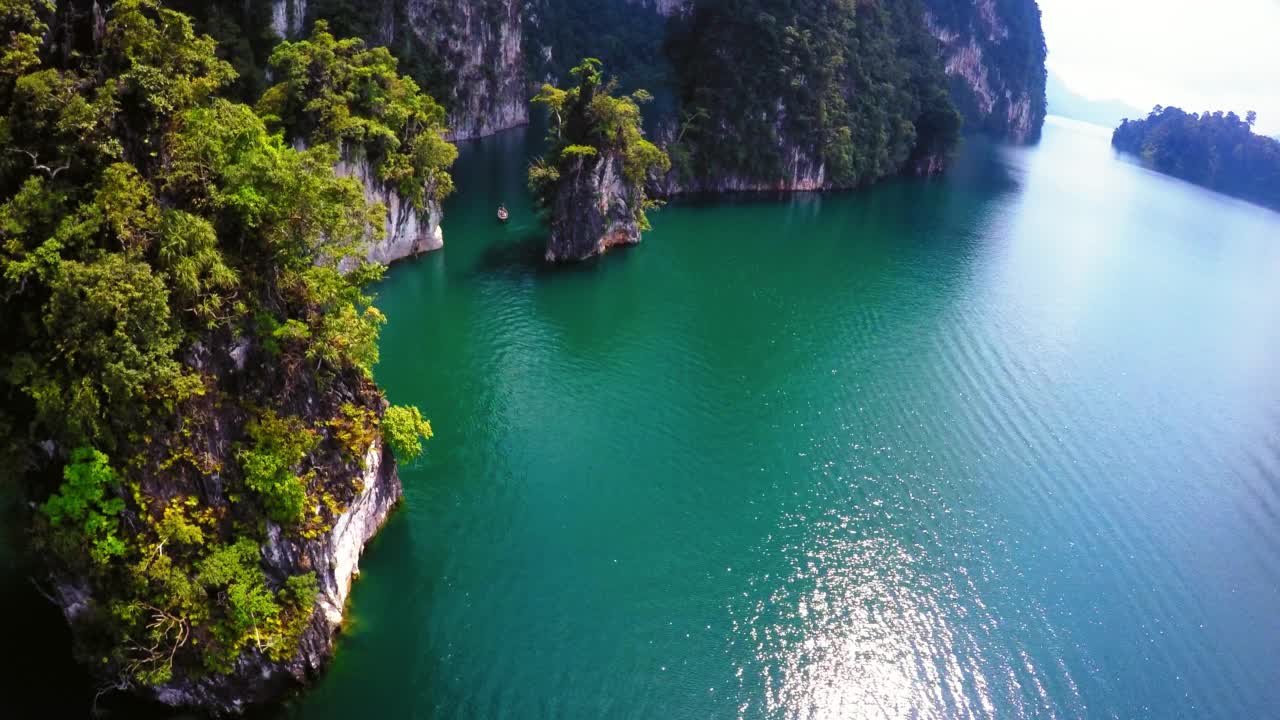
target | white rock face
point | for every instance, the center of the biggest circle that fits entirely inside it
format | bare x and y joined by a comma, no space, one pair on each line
287,17
409,231
352,531
482,45
965,60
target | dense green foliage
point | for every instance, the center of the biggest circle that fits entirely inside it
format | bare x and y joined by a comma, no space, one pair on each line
405,429
82,511
422,61
588,124
626,35
340,92
148,225
856,87
1211,149
428,38
244,38
278,447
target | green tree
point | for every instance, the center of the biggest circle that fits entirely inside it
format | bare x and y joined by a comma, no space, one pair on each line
110,340
405,429
1218,150
588,121
854,88
342,93
83,508
271,464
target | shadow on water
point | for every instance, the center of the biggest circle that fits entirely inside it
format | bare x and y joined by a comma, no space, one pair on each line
524,256
521,256
38,655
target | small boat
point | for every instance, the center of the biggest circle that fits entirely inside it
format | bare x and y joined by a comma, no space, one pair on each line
502,213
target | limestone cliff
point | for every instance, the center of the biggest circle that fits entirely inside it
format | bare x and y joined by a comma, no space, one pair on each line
994,54
408,231
360,489
480,46
412,201
801,123
210,462
480,58
287,17
799,172
469,55
334,557
594,208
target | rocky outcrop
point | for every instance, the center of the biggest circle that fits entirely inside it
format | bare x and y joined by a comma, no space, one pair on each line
335,559
480,46
800,172
408,231
994,53
472,51
594,209
354,496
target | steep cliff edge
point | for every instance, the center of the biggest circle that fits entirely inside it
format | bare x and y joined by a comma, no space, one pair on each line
469,55
288,18
186,395
479,58
390,135
593,210
407,229
355,492
480,49
994,53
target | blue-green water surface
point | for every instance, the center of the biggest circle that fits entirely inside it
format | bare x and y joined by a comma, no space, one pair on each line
1000,444
1003,444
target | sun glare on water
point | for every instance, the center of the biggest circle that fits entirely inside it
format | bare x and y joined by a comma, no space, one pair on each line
864,628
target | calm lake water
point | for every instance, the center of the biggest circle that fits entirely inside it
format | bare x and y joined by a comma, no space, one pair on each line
1001,444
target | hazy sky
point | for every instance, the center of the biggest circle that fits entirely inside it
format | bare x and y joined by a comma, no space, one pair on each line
1196,54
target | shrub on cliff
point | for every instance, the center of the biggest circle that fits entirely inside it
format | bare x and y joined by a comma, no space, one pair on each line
405,429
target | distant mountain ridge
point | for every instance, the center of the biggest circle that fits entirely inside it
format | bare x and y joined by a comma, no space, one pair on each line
1069,104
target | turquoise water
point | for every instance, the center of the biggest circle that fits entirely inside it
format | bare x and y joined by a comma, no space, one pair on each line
1001,444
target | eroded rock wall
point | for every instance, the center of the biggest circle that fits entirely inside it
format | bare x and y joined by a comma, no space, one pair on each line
595,209
480,45
994,53
408,231
334,557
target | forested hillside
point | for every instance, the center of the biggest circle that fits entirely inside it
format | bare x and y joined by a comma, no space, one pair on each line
851,92
187,343
1216,150
484,60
